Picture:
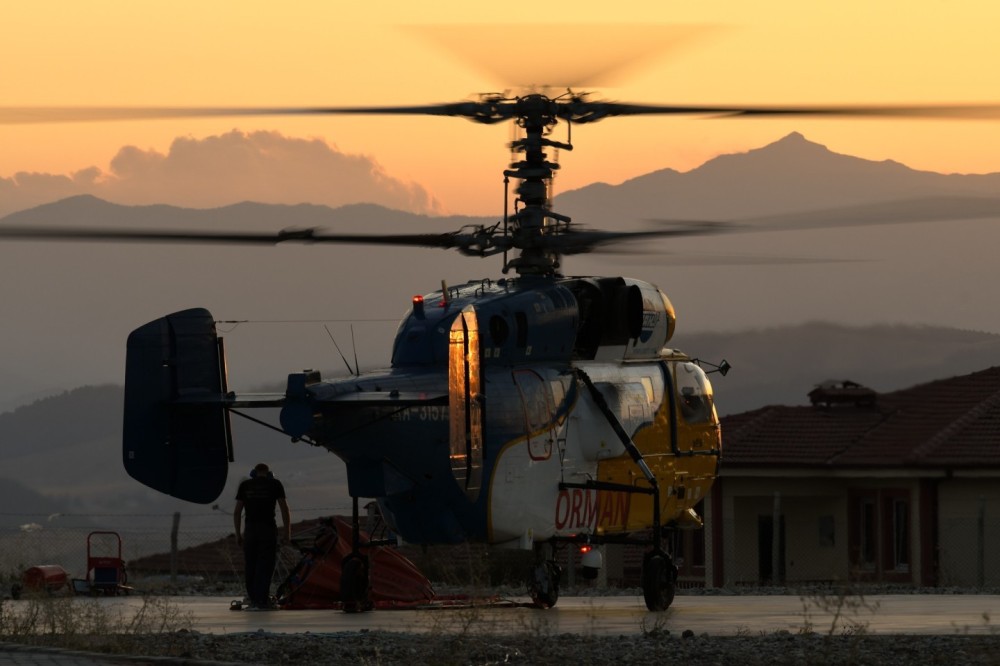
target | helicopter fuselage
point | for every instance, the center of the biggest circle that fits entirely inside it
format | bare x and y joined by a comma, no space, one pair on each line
486,426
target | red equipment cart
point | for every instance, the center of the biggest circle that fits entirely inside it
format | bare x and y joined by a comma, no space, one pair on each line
105,571
47,578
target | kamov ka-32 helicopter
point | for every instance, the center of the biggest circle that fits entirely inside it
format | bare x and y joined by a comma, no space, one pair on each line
523,411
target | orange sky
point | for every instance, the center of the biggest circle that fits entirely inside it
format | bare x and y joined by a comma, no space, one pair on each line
330,53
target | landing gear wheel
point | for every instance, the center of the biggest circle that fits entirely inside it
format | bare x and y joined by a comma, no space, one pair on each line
659,579
354,584
544,584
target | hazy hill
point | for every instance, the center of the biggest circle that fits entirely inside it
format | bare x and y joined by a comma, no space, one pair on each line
88,211
779,366
67,448
67,308
792,174
70,306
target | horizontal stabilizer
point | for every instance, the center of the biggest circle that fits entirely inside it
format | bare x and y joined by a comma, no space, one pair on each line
176,435
389,399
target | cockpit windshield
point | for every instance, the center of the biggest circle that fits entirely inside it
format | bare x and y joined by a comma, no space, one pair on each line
694,393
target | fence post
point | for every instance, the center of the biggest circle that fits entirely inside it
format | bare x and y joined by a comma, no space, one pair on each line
173,546
981,542
776,577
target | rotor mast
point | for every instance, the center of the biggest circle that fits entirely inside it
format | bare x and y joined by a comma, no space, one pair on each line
536,114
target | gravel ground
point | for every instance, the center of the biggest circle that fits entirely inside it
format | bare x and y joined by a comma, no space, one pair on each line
372,648
647,645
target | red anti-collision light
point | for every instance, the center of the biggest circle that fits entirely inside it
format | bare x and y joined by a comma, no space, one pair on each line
418,306
585,548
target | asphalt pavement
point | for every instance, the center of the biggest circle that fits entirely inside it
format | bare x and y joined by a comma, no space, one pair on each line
720,615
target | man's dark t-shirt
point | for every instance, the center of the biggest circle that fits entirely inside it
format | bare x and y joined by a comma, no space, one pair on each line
260,495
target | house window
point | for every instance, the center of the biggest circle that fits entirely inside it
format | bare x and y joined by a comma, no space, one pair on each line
827,532
867,533
879,534
898,510
698,548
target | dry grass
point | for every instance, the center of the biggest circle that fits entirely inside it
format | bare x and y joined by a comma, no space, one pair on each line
89,623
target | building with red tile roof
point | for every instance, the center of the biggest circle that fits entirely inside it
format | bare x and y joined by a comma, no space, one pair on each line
900,487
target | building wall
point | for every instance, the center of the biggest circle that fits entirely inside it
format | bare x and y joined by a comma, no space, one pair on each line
816,517
969,532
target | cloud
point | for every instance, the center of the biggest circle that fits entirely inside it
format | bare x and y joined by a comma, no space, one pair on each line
266,167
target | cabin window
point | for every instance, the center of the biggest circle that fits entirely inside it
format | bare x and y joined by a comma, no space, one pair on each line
522,329
694,393
558,393
499,330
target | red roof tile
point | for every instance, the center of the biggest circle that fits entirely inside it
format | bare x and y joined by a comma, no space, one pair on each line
946,423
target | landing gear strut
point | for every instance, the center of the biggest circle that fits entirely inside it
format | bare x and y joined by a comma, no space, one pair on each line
544,583
355,593
659,574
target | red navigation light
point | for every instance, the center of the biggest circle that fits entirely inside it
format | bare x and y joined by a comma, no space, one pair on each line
585,548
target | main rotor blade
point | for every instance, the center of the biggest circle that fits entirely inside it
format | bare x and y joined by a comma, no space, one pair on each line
494,110
589,54
484,242
907,211
18,115
579,241
644,257
446,240
586,111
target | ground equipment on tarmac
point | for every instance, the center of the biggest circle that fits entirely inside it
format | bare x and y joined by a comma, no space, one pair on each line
328,577
105,567
46,578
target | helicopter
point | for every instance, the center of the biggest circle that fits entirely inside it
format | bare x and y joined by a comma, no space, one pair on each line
528,411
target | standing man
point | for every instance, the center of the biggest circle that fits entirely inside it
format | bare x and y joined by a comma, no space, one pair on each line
259,495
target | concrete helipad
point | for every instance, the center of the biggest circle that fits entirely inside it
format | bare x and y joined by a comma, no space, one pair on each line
716,615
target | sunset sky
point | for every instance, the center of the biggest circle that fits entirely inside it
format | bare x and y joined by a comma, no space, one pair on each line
122,52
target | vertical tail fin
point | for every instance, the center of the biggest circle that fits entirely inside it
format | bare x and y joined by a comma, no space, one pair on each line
176,436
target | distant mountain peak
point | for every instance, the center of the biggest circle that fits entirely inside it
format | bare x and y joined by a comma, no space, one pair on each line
798,142
793,138
792,146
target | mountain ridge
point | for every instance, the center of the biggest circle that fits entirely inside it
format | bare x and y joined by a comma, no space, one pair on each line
789,175
803,171
87,296
775,365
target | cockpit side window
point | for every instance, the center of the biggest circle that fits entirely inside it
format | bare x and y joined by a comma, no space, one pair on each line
694,394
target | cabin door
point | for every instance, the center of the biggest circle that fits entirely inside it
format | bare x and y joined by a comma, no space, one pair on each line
465,407
538,420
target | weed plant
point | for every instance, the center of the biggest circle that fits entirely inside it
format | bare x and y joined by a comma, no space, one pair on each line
90,623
